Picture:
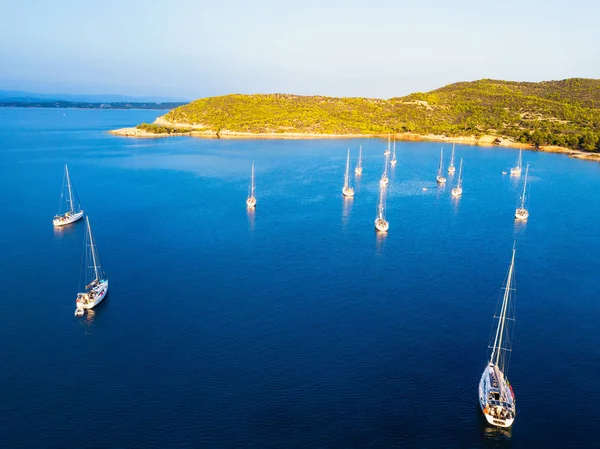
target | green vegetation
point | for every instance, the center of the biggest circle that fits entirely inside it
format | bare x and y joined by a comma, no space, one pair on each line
564,113
156,129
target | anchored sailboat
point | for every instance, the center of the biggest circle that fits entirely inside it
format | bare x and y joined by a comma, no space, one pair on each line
251,200
358,169
441,179
496,396
96,281
384,177
381,223
457,191
394,161
73,207
451,168
522,213
347,190
387,151
516,171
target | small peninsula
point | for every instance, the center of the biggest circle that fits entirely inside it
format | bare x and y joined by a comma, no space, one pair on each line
559,116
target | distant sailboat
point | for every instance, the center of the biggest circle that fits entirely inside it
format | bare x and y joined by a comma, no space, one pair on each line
384,177
451,168
457,191
522,213
440,178
74,211
347,190
358,169
516,171
387,151
381,223
251,200
394,161
96,281
496,396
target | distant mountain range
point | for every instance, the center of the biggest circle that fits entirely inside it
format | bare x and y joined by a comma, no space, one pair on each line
17,96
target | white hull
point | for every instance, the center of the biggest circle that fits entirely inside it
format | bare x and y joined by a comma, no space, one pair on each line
251,201
440,180
358,170
451,169
348,191
84,301
515,172
381,225
500,413
456,192
521,214
393,162
68,218
384,181
387,152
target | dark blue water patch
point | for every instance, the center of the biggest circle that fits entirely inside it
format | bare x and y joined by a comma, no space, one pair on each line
294,325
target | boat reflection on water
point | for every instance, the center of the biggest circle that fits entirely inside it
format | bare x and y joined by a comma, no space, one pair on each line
251,212
380,241
492,433
63,231
347,210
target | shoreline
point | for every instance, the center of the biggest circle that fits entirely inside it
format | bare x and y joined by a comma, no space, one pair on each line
487,140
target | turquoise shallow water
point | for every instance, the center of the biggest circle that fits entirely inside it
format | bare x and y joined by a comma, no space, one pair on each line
295,326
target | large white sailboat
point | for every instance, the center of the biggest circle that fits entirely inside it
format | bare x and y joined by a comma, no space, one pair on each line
251,200
96,281
384,177
457,191
394,161
381,223
496,396
440,178
347,190
451,167
68,198
522,213
516,171
358,169
387,151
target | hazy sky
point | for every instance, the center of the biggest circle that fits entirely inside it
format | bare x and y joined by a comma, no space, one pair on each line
190,49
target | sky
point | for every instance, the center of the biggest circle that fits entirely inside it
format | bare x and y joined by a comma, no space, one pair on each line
196,48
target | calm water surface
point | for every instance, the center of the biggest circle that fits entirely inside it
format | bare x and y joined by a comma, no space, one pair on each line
295,325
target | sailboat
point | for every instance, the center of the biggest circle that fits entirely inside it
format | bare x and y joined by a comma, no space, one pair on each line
96,281
387,152
394,161
522,213
74,211
251,200
457,191
496,396
347,190
451,167
381,223
358,169
441,179
516,171
384,177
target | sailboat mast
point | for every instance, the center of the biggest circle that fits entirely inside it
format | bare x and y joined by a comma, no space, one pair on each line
452,158
92,248
520,163
360,156
524,188
460,173
69,188
394,150
380,206
252,181
347,170
385,168
441,161
502,321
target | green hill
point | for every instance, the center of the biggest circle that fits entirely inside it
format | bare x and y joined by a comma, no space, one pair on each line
564,113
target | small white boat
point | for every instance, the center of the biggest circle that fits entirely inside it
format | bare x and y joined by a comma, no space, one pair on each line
516,171
440,178
73,207
381,223
387,151
358,169
347,190
457,191
394,160
451,168
96,281
384,177
496,396
522,213
251,200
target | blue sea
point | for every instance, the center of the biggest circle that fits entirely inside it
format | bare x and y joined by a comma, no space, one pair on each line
294,326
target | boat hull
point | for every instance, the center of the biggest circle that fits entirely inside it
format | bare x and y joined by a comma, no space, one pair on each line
384,181
358,170
348,191
451,170
440,180
251,202
100,293
63,220
488,409
381,225
521,214
393,163
456,192
515,172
